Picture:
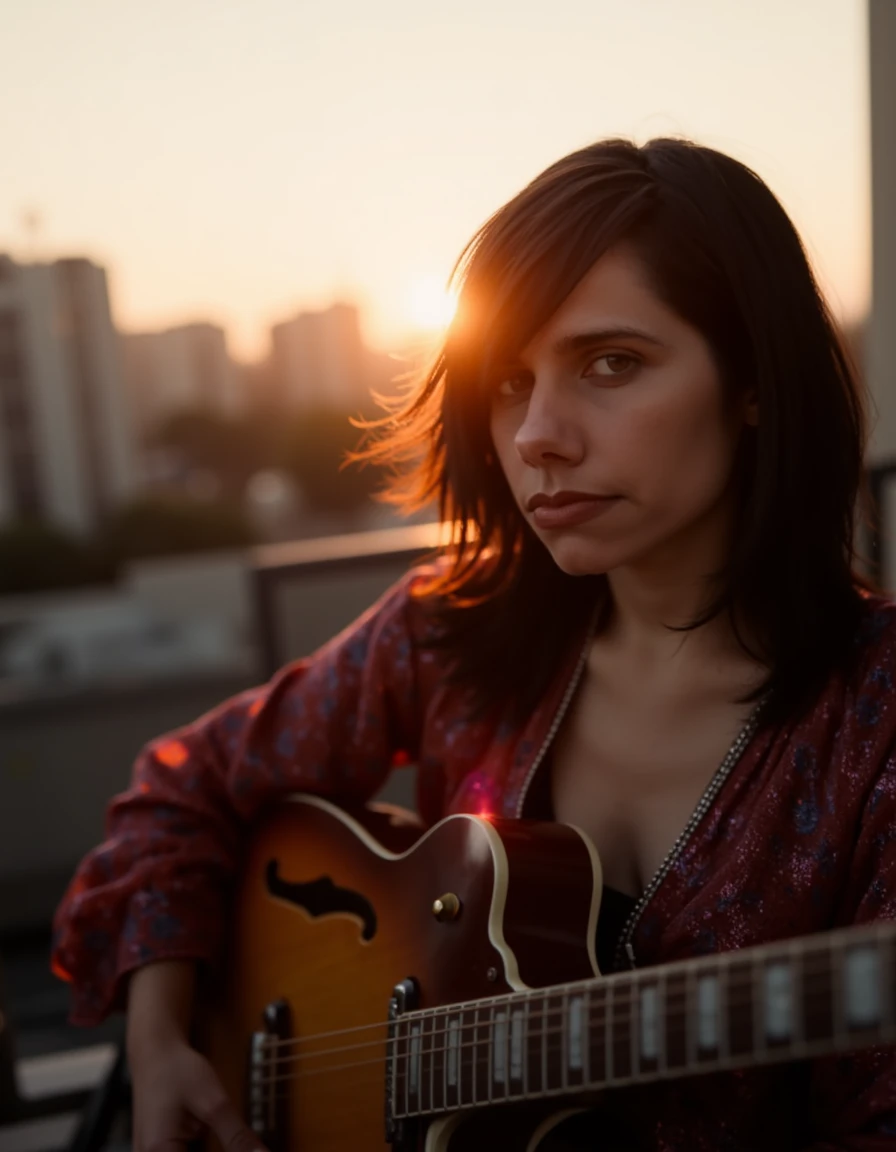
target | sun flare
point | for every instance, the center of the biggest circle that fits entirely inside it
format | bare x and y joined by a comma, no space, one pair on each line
430,304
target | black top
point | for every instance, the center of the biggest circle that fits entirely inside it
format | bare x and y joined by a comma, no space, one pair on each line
615,909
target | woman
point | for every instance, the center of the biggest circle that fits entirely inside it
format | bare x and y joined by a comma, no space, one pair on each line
649,440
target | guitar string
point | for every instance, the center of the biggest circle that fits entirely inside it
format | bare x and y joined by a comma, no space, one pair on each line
406,1056
736,986
477,1068
596,1020
734,981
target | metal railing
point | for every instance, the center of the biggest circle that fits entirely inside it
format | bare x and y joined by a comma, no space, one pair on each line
308,591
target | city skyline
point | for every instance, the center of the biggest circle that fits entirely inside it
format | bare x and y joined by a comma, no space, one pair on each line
345,155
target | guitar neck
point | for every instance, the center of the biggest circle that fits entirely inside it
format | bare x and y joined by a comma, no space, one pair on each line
790,1000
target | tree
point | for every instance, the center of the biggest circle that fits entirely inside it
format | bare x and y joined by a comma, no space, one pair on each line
164,526
315,447
35,557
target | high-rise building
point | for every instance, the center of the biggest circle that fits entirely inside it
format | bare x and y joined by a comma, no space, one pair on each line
319,359
66,443
186,368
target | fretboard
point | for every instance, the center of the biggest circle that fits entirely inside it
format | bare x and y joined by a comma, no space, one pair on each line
784,1001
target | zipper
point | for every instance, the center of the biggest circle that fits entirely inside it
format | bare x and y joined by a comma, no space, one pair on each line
624,949
560,713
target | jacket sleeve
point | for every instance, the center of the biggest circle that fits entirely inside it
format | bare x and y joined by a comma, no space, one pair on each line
854,1096
156,888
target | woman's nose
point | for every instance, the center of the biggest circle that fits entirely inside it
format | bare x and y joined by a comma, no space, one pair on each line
548,433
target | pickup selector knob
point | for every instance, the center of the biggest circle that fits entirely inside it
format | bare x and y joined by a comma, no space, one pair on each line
447,907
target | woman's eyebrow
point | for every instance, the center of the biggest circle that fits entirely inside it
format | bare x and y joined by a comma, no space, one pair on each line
575,342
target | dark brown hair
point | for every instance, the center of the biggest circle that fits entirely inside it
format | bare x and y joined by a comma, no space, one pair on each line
722,253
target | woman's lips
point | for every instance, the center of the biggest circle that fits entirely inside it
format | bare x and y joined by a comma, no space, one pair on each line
575,512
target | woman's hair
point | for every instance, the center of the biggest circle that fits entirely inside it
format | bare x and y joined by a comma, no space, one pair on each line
721,252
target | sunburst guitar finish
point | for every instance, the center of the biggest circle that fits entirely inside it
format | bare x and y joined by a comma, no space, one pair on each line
334,911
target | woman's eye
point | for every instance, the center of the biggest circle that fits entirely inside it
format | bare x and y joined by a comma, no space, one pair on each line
611,364
513,385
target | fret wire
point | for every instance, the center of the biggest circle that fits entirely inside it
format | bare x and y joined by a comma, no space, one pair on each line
416,1079
491,1053
432,1061
475,1053
443,1053
608,1036
627,1003
883,984
760,1039
564,1043
407,1077
661,989
690,996
725,974
634,1025
419,1061
394,1041
460,1056
796,955
525,1042
544,1050
506,1055
508,1044
597,1037
835,957
586,1045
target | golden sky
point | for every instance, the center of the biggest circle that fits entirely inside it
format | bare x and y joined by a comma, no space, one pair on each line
237,160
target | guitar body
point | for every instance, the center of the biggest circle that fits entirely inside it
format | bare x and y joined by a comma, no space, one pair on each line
336,909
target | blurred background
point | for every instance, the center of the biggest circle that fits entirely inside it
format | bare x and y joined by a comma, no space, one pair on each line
223,226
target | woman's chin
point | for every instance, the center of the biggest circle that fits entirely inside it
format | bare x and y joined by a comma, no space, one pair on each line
577,559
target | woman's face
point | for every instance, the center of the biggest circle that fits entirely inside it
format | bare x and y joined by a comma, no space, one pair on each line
617,406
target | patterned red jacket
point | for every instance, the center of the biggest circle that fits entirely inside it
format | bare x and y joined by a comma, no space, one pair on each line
799,837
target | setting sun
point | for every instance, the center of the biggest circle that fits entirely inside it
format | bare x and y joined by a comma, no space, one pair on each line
430,304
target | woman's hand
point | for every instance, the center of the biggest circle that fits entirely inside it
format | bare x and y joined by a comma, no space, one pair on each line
178,1098
176,1092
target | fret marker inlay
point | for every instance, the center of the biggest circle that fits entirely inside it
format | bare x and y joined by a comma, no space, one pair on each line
453,1037
415,1057
500,1048
650,1040
516,1046
576,1018
708,1011
862,987
778,1001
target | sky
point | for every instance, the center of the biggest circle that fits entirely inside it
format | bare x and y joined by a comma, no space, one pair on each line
240,160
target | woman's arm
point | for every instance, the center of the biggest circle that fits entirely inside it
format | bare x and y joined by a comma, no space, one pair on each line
156,888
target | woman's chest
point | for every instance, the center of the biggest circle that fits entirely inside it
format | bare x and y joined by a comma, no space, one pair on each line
630,770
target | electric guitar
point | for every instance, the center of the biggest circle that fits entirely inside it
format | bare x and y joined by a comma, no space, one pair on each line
440,991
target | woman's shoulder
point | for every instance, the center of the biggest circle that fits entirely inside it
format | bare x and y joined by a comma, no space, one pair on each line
875,633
